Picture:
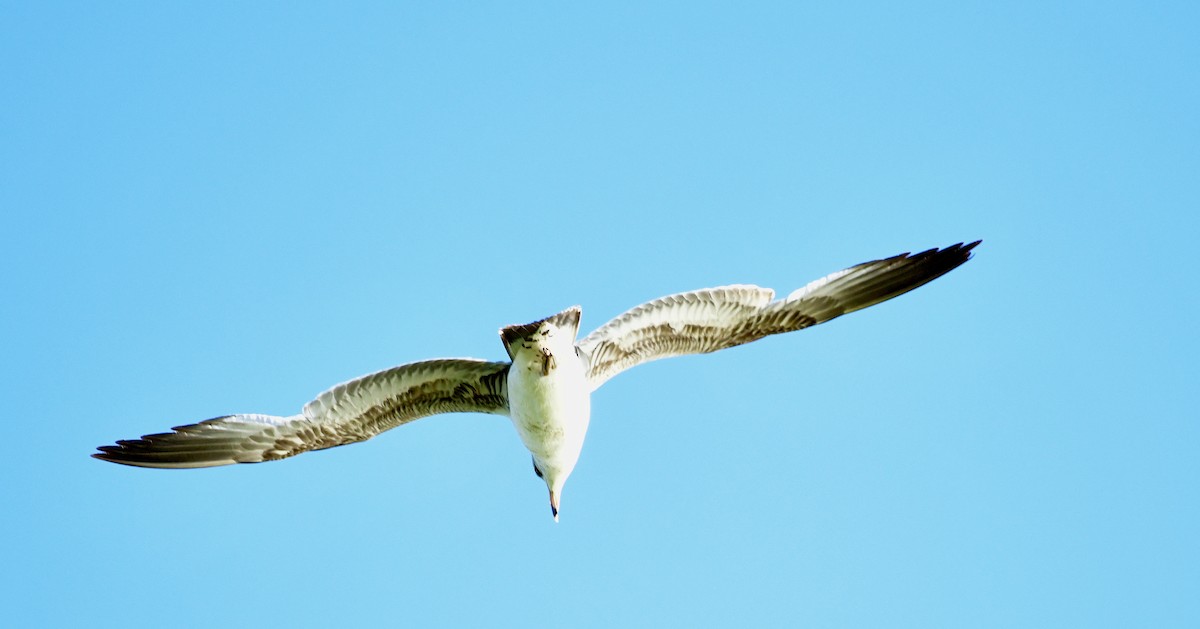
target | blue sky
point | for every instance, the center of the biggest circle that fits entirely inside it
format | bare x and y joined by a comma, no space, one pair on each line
214,208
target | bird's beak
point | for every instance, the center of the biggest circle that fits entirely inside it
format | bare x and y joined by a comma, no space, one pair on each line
554,504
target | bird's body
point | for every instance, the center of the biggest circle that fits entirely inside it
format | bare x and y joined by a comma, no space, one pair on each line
546,387
549,398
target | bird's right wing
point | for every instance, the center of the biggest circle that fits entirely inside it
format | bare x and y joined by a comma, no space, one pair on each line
349,412
707,320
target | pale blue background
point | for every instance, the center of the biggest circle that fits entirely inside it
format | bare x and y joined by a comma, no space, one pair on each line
212,208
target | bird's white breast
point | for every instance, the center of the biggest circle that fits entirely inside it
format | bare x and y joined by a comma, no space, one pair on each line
550,408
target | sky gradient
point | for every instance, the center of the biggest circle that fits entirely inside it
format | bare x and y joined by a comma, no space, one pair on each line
213,208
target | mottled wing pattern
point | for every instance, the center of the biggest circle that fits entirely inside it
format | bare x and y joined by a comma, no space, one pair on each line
707,320
349,412
686,323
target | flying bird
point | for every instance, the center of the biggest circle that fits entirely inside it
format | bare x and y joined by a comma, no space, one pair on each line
546,385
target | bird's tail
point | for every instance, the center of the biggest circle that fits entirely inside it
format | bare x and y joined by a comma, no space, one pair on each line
566,320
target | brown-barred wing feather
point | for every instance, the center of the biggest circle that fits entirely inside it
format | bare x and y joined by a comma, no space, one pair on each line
349,412
716,318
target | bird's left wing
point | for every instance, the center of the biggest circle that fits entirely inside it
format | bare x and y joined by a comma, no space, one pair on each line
349,412
707,320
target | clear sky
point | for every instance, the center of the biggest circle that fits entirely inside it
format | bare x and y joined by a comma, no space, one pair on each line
212,208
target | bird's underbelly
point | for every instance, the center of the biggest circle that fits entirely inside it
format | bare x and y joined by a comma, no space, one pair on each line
550,413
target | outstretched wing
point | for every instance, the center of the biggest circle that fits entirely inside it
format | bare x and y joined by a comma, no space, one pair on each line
707,320
352,411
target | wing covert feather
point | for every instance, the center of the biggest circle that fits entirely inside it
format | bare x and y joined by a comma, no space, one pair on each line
347,413
707,320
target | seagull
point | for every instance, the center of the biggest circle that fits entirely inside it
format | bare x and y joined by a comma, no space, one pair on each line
545,387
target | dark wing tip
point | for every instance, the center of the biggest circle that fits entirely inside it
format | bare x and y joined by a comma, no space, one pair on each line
186,447
113,454
961,248
961,251
946,259
956,248
870,283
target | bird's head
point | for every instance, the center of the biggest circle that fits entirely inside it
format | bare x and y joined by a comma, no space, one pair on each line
555,488
554,478
554,504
